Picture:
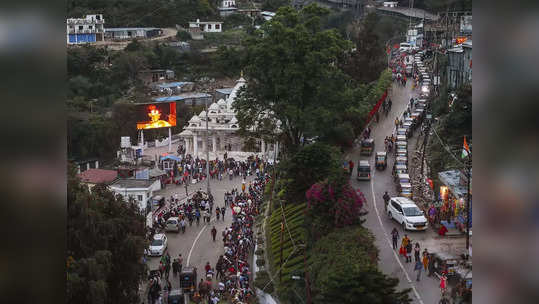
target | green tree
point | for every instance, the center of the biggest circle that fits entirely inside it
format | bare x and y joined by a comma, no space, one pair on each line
293,76
105,243
343,269
311,164
368,61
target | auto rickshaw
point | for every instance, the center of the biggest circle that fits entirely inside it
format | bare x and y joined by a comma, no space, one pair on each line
401,161
188,279
367,146
446,263
364,170
176,296
381,160
405,189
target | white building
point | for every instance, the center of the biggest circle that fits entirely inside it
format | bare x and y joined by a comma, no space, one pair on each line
89,29
222,127
391,3
140,190
267,15
227,8
206,26
132,32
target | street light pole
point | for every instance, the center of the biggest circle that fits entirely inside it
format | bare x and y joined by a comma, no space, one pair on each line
468,203
207,151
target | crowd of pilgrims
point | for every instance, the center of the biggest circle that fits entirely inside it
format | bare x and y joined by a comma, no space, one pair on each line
233,270
192,170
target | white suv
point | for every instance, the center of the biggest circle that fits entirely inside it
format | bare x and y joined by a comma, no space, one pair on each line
405,212
158,245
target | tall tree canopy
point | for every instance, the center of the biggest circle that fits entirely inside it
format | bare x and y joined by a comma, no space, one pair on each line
344,270
105,244
293,76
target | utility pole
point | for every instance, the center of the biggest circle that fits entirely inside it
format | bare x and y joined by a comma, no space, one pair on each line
207,151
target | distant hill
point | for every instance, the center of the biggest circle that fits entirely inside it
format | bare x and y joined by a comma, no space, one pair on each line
144,13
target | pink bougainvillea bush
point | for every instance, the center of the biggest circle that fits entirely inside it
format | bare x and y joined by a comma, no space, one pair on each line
334,205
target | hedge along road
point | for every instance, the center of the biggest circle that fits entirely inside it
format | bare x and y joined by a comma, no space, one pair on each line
390,263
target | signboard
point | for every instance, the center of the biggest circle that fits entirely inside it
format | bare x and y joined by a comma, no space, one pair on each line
138,153
125,142
156,115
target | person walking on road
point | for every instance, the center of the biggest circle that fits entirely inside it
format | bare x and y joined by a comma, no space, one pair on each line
418,267
223,210
386,201
213,233
217,213
395,237
417,252
409,252
197,215
425,259
351,166
180,263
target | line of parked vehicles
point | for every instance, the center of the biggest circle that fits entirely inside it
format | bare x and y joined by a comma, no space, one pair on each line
401,208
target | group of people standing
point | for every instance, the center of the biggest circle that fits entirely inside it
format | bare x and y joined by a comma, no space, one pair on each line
232,270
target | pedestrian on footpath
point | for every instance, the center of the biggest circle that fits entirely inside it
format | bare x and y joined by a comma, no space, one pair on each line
213,233
443,284
417,252
217,212
395,237
418,267
180,263
223,210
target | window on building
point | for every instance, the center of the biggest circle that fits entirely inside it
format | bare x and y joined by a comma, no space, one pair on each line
209,26
139,198
81,27
217,26
90,27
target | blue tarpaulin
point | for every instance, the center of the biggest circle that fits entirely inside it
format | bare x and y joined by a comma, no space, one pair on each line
170,157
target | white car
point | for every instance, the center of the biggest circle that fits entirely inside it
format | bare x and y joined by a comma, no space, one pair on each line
405,212
172,224
404,47
158,245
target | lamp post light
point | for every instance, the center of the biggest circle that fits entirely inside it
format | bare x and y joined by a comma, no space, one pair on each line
207,150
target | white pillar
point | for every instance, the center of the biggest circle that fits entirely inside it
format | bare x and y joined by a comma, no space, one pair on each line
97,164
263,147
142,141
78,169
214,143
205,144
187,145
276,151
195,146
169,139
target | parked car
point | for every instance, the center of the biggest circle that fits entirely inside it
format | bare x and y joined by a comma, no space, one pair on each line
399,169
402,131
405,212
401,145
405,190
364,170
401,153
404,47
403,178
401,161
172,224
158,245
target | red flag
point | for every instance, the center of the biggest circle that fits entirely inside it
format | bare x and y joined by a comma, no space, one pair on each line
431,184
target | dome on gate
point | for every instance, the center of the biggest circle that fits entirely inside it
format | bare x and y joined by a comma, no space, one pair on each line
214,107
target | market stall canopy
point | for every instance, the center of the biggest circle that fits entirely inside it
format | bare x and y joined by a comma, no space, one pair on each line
173,157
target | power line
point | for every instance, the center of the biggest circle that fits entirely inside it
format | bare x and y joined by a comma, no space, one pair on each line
447,148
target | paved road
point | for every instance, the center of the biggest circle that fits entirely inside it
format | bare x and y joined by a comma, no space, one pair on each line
196,245
426,290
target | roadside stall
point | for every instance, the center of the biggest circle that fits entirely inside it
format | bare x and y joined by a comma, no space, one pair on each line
453,213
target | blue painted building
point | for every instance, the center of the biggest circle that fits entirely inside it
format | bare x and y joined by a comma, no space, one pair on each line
89,29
